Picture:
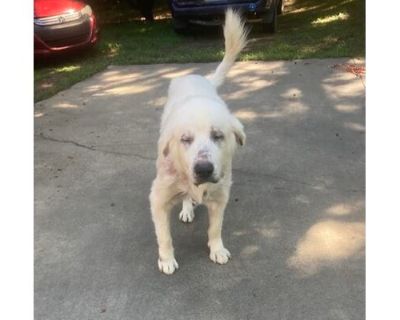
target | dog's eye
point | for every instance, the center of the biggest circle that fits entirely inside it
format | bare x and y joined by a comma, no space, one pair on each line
217,135
185,139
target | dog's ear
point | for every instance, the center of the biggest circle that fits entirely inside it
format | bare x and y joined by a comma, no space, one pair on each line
164,146
166,150
238,131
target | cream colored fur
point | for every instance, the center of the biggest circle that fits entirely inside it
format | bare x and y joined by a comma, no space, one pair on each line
195,110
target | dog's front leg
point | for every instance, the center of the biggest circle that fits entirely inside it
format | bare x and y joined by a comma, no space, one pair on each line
187,214
161,212
218,253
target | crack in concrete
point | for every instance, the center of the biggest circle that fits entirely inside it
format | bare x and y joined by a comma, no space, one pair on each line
41,135
93,148
292,180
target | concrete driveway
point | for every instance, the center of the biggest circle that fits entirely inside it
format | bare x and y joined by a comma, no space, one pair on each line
294,224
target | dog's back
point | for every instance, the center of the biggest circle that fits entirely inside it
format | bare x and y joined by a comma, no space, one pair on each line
191,86
182,89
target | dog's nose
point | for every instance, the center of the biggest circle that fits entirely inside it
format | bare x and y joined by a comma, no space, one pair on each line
204,169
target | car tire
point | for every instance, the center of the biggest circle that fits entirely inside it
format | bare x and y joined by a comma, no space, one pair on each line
281,6
271,26
180,26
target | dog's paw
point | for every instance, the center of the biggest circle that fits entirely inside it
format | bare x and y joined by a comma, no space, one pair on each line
168,266
220,256
186,216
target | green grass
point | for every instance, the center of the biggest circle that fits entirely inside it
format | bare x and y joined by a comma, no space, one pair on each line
308,29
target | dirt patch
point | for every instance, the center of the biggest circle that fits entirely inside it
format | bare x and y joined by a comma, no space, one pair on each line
357,69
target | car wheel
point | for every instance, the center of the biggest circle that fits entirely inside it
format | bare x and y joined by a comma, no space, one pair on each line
180,26
281,6
271,24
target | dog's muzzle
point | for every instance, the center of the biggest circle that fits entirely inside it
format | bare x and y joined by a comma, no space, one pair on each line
204,172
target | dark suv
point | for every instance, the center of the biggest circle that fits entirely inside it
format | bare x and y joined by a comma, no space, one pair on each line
211,12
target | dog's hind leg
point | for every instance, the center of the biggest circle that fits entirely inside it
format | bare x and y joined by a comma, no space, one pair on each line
187,213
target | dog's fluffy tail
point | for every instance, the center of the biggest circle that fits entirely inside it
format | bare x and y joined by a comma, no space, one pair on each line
235,36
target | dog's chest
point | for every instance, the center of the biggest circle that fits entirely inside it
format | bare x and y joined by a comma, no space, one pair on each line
203,193
198,194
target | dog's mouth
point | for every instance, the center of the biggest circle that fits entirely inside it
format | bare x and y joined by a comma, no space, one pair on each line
199,181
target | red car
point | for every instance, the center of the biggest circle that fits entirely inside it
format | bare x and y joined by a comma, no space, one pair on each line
63,25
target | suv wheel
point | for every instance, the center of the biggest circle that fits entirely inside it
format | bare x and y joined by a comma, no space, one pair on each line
180,26
271,26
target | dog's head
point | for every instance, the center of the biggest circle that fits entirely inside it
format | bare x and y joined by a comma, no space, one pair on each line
200,141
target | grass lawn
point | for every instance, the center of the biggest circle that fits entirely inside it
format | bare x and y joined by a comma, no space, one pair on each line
308,29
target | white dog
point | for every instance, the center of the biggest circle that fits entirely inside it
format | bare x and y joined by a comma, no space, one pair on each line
198,137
